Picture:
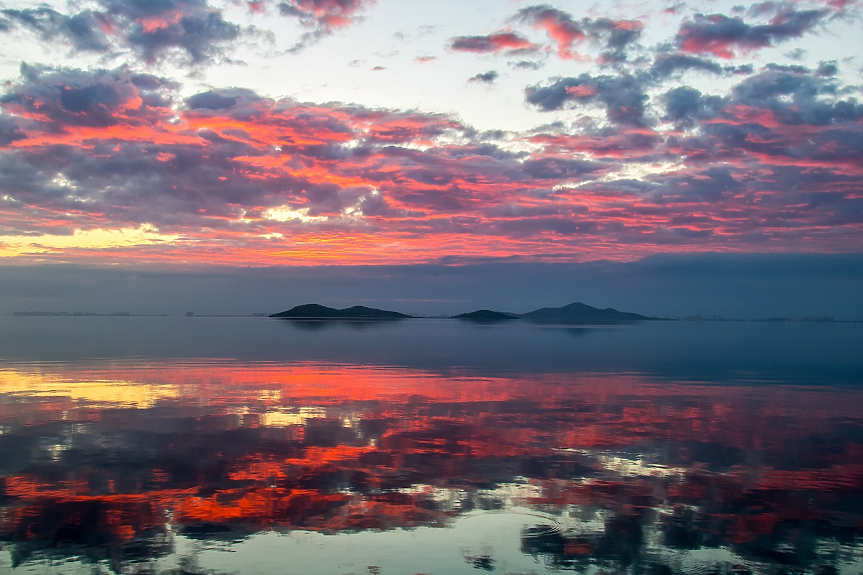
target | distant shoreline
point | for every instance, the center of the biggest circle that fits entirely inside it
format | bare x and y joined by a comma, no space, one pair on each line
261,315
686,319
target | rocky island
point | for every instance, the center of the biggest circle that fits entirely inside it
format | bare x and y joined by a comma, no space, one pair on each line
485,315
320,312
581,313
576,312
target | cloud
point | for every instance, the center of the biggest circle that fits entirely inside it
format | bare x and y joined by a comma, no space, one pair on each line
191,27
211,100
526,65
10,131
723,35
322,17
828,69
154,31
508,42
623,96
559,25
606,143
614,36
83,30
485,77
324,14
561,169
57,100
665,65
233,176
191,32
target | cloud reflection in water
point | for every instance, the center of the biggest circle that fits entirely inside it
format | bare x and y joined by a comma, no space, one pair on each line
128,463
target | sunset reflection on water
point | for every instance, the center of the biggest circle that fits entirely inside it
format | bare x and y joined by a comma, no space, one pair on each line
138,467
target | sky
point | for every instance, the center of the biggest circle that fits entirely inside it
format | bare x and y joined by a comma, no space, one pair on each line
366,151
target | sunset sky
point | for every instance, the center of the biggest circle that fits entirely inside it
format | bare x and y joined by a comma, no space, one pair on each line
257,141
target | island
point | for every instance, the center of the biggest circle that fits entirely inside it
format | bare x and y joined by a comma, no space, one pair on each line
485,315
582,313
320,312
575,312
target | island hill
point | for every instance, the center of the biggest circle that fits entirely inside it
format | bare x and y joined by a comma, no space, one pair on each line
572,313
315,311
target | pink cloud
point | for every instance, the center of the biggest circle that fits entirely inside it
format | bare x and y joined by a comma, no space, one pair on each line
240,178
500,42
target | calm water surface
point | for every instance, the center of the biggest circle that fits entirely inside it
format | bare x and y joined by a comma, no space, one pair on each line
205,445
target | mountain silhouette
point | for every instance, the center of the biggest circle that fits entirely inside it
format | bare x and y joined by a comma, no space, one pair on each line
580,312
486,315
316,311
575,312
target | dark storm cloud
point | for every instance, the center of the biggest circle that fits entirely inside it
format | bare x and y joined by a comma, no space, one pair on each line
153,30
722,35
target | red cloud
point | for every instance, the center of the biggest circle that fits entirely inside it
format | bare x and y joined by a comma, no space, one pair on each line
501,42
558,24
239,178
154,31
327,14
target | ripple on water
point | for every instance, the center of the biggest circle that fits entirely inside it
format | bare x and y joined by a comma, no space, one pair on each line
524,523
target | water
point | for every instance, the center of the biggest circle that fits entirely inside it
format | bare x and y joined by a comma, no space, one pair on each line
207,445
